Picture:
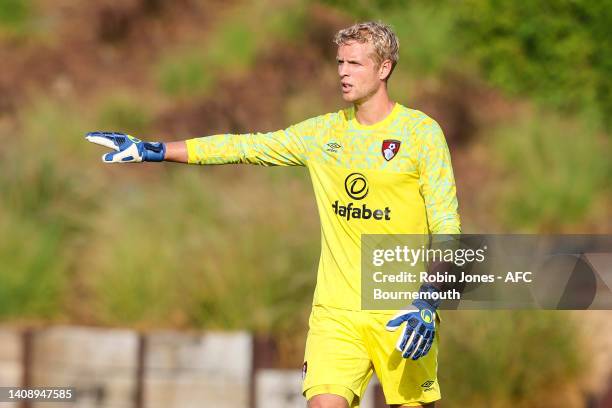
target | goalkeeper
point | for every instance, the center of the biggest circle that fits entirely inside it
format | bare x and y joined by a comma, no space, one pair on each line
377,167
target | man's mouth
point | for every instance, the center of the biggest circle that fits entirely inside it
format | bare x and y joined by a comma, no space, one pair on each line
346,87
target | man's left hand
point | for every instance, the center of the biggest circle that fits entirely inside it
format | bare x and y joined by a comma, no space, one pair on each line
418,333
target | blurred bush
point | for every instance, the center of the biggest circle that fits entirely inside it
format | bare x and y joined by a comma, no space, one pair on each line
14,15
185,73
503,359
32,270
230,49
554,171
46,198
194,255
124,112
558,52
194,71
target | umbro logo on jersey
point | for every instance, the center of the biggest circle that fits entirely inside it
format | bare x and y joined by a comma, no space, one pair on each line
390,148
332,147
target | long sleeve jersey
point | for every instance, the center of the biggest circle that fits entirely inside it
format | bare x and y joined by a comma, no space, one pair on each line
392,177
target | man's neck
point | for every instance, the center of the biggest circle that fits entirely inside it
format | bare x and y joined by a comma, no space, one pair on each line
374,109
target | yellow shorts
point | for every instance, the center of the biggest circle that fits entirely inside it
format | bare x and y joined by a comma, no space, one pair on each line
344,348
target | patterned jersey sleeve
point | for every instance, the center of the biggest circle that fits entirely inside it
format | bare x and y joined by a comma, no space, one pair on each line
437,182
287,147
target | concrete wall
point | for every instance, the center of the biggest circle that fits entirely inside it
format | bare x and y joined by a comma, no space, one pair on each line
122,368
11,359
100,363
187,371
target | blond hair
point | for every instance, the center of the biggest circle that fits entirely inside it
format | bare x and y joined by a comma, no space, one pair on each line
380,35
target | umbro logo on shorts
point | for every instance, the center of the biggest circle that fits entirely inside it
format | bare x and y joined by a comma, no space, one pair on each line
427,384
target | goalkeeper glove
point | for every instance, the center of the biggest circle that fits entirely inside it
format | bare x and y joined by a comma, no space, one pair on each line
418,334
128,149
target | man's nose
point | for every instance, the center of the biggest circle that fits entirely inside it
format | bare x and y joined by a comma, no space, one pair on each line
342,70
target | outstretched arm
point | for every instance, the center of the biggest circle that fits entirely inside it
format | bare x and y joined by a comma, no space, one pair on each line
285,147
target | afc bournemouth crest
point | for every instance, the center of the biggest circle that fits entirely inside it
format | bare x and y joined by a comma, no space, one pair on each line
390,148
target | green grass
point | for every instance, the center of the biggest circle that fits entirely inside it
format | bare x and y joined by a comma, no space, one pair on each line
14,15
21,22
193,254
556,53
234,47
185,73
425,31
46,196
503,359
195,70
230,50
33,263
554,171
58,125
125,113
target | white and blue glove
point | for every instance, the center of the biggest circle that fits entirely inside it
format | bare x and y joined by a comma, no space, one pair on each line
128,149
420,329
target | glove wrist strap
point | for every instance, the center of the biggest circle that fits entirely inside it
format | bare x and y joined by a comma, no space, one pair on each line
426,300
154,151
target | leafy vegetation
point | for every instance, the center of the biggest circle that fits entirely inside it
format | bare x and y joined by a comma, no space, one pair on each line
14,15
499,346
125,112
557,52
555,170
230,50
45,200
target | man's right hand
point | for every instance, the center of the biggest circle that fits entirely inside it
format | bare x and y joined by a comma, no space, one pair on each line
128,149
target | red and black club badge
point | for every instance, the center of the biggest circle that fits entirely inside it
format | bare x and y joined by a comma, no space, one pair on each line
390,148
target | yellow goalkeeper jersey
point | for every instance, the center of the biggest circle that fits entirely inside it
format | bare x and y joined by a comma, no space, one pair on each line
392,177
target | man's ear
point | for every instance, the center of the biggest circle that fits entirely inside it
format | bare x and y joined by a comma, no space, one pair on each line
385,69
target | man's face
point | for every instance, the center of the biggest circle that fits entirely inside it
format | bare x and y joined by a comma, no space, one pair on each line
359,73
